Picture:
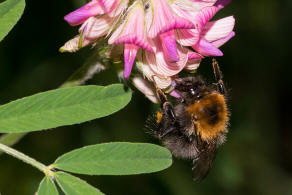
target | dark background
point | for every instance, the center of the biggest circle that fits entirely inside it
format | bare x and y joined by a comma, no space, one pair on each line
257,157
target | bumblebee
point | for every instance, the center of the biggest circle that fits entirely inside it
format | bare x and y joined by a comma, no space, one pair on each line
196,124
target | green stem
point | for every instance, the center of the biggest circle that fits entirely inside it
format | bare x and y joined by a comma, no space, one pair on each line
85,72
11,138
23,157
79,77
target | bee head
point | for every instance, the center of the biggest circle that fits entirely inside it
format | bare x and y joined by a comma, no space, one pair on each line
192,88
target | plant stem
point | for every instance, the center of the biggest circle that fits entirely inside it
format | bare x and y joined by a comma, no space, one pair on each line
11,138
85,72
23,157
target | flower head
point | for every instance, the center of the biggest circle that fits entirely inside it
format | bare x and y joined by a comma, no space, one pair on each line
162,37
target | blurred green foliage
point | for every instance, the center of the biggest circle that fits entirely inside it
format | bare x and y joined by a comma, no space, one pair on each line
257,156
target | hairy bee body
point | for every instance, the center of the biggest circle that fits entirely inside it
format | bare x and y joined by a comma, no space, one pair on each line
207,119
195,126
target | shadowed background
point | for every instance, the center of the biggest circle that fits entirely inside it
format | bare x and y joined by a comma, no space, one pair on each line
257,157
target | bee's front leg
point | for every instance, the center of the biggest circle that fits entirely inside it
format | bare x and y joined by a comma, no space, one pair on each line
166,106
168,111
169,120
161,96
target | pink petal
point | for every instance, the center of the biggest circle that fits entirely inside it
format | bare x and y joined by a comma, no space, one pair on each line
94,27
177,23
222,41
207,49
194,56
187,37
162,67
118,7
192,65
93,8
164,19
175,94
130,52
146,88
132,39
107,4
204,16
161,82
169,46
218,29
185,10
222,3
132,30
73,45
114,7
203,3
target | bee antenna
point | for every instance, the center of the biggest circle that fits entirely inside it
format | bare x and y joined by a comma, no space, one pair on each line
218,77
216,69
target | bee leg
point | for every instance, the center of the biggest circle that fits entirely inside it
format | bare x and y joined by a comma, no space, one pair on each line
168,125
165,132
218,77
167,108
167,112
161,96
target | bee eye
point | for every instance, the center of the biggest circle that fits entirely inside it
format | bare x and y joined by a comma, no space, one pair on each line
192,91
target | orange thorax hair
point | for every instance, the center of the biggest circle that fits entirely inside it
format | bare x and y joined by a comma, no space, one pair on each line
210,116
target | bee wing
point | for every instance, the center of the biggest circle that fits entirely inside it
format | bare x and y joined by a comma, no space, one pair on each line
204,162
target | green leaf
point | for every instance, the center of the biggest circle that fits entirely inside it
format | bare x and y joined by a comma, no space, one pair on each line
74,186
47,187
65,106
118,158
10,13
